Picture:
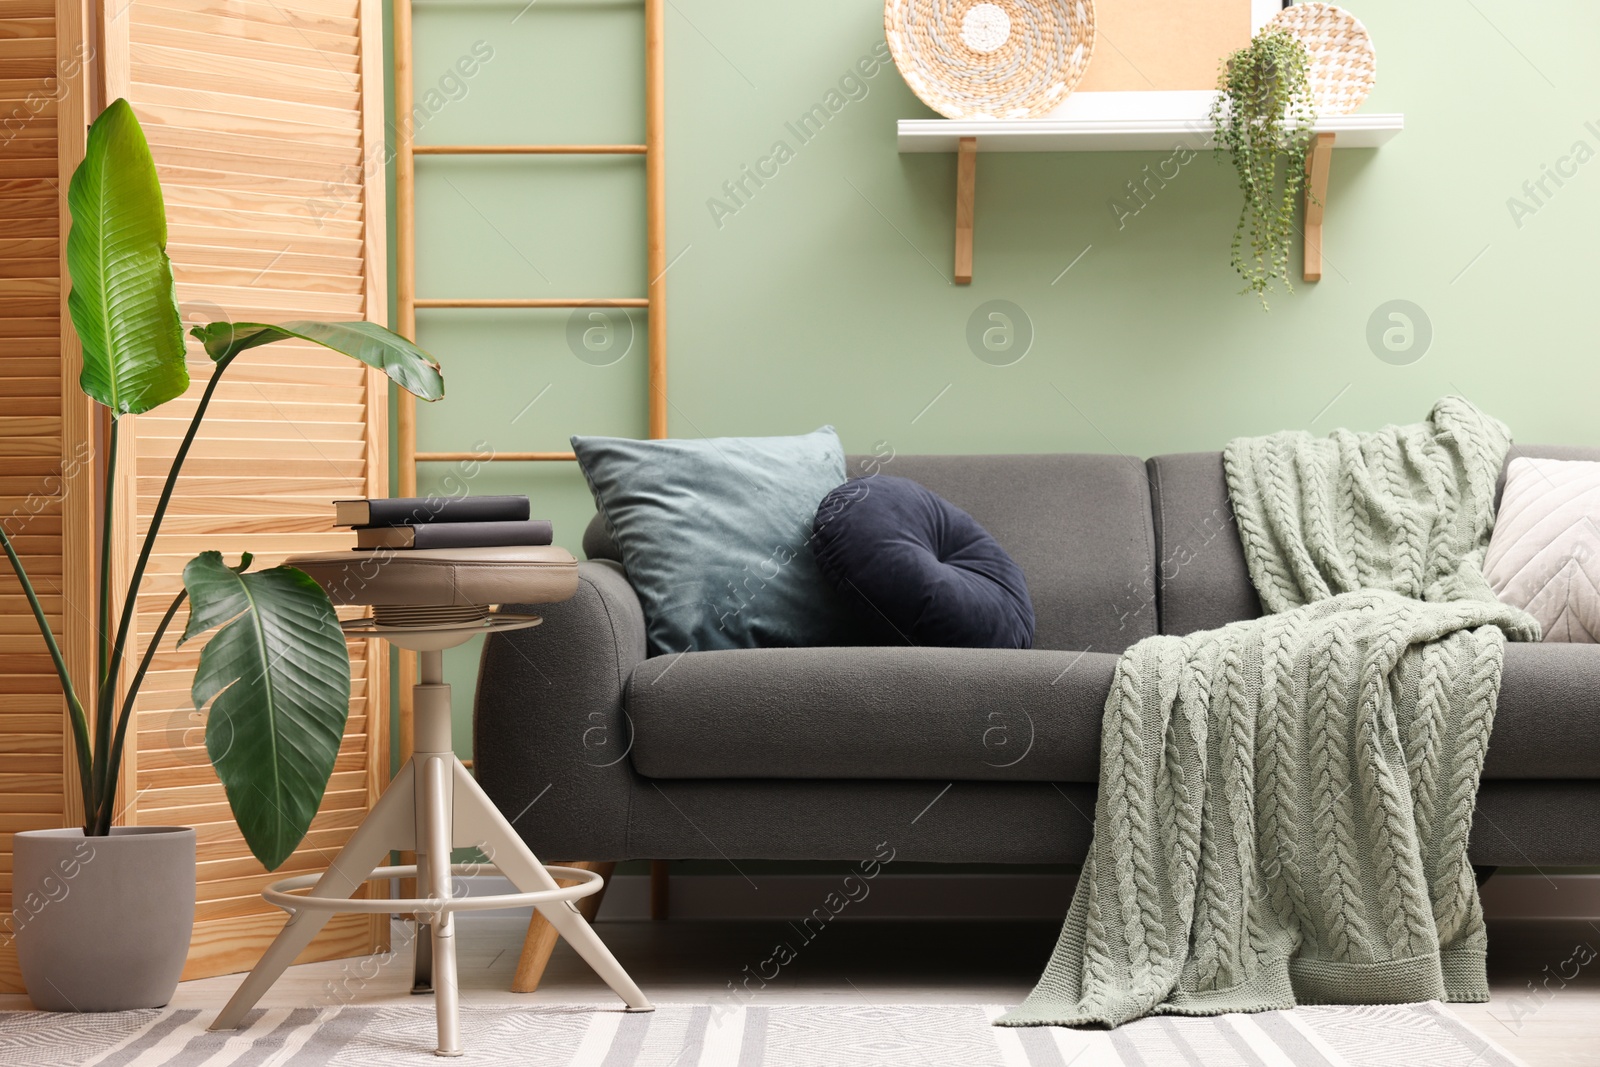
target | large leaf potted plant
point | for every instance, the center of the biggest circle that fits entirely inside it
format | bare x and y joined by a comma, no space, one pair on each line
102,914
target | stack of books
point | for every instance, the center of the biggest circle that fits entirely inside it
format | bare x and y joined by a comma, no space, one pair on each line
441,522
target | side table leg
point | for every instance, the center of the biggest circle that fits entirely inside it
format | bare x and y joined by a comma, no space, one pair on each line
422,931
387,825
540,940
422,956
436,832
480,823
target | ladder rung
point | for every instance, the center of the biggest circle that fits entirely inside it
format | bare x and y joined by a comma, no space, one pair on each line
535,302
529,149
497,457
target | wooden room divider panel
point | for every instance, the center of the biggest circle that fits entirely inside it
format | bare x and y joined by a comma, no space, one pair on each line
47,460
266,123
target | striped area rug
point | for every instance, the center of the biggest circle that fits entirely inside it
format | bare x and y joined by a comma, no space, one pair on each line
947,1035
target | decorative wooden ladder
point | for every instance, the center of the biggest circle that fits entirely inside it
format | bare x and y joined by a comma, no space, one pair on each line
541,938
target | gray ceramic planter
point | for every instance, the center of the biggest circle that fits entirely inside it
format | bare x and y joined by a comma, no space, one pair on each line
103,923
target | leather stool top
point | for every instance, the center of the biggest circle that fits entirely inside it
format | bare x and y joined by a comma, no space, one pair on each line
444,577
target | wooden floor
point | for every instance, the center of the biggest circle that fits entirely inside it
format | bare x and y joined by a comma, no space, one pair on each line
1545,974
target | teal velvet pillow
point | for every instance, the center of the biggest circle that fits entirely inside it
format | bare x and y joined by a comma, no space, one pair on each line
715,535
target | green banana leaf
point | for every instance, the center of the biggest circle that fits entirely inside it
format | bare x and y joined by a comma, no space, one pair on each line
280,675
411,368
122,300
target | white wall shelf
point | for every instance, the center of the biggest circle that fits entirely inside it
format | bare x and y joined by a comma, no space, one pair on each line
1098,128
1115,135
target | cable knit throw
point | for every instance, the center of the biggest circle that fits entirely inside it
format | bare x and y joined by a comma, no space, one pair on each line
1284,803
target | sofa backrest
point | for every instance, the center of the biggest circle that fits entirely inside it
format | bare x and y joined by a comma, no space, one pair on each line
1108,545
1078,525
1202,581
1584,452
1201,578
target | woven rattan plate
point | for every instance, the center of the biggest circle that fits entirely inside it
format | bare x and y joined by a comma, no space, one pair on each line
1343,63
1000,59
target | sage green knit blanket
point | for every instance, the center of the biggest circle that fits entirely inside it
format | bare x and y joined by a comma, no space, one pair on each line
1284,803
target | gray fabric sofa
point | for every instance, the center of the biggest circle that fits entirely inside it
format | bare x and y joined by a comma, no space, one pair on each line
949,755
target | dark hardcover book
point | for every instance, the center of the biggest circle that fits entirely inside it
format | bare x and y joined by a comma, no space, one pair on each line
418,510
455,534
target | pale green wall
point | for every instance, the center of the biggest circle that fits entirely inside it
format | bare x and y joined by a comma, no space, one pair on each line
827,298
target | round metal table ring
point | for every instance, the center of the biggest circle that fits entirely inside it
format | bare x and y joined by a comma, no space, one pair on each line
282,893
492,623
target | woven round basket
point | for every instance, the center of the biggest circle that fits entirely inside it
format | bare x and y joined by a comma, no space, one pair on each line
998,59
1343,63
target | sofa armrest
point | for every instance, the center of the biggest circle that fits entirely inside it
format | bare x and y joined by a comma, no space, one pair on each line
550,737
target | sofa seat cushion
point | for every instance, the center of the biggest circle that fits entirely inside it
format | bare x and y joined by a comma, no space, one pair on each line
948,713
962,714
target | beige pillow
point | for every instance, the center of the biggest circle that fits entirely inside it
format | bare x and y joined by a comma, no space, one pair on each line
1544,554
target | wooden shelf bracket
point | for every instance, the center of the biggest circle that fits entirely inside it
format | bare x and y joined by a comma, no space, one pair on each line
1318,157
966,182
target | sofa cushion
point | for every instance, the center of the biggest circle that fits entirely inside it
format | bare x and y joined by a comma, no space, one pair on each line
962,714
1077,524
921,569
715,535
1544,555
948,713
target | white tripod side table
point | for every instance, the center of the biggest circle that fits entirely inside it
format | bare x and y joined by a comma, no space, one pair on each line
428,601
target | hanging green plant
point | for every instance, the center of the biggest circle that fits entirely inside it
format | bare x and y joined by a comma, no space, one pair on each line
1263,117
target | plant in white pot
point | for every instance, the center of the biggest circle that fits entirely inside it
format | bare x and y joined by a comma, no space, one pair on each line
102,914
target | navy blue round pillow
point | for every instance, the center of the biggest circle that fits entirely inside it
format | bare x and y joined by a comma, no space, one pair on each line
922,565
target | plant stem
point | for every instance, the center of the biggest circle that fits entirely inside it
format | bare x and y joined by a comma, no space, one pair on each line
107,695
104,636
104,815
102,717
80,724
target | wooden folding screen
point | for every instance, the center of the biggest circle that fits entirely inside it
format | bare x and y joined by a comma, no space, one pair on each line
266,122
47,460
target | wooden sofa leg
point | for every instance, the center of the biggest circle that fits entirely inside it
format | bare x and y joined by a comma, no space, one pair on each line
541,939
660,889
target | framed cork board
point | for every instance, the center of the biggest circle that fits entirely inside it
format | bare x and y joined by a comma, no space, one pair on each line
1157,45
1160,57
